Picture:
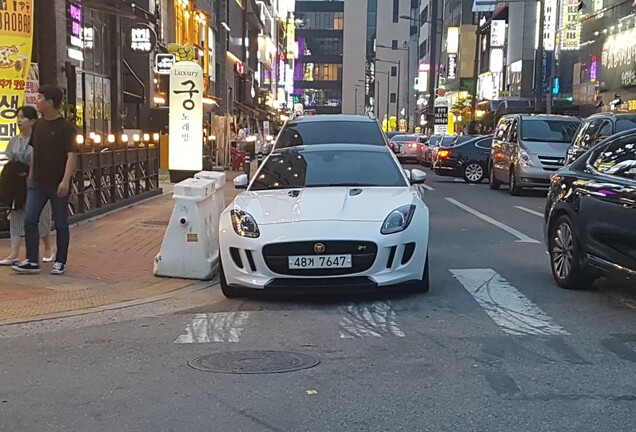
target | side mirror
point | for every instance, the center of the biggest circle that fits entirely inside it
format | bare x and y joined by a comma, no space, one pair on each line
240,182
416,176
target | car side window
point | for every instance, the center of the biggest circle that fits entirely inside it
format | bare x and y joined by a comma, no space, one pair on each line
502,129
605,130
617,158
514,132
591,133
578,138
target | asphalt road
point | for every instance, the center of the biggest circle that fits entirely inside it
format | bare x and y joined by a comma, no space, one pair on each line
494,346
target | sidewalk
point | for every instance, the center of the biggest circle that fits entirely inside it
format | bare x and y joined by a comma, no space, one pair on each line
110,261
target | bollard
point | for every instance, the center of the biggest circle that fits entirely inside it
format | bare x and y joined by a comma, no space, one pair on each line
248,164
259,159
190,247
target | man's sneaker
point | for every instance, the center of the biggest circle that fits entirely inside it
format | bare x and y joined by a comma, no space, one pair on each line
58,268
26,267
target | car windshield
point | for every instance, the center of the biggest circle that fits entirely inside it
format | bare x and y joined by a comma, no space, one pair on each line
625,123
323,132
302,168
560,131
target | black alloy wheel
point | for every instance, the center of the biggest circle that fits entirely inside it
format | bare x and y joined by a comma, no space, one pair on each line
423,285
514,188
565,256
473,172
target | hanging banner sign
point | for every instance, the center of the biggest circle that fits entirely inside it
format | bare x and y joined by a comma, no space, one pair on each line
185,151
16,38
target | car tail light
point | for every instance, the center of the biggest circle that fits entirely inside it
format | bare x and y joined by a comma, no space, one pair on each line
443,154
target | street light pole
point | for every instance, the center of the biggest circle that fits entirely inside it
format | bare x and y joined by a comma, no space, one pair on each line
473,93
356,101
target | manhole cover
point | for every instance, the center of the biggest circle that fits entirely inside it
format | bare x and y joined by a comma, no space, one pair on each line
253,362
154,223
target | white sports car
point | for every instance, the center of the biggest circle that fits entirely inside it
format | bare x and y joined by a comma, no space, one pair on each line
325,218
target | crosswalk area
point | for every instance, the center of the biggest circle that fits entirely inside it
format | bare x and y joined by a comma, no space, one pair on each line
506,310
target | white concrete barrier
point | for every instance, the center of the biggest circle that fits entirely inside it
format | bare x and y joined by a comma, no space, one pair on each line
190,247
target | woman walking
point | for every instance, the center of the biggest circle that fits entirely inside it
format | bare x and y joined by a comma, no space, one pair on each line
18,152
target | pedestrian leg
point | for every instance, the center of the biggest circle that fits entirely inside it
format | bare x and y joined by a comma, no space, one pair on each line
36,200
59,205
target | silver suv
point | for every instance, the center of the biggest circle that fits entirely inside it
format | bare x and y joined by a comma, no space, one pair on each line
527,149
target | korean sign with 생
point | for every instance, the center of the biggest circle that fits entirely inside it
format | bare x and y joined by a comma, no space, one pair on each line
16,32
186,117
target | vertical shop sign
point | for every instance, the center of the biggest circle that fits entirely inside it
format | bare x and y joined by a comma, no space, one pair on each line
186,117
16,38
440,111
32,85
571,24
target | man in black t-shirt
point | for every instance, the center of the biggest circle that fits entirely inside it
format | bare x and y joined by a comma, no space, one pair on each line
52,166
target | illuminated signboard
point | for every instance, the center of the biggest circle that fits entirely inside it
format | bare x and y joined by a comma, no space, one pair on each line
497,33
141,38
451,68
570,22
75,33
452,43
290,35
594,69
186,117
618,60
550,24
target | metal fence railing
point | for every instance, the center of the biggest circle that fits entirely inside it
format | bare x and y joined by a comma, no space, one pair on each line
106,179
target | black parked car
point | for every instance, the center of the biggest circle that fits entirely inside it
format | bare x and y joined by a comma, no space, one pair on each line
468,160
590,215
595,129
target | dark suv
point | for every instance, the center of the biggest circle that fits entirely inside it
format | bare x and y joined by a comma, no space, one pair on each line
595,129
329,129
590,215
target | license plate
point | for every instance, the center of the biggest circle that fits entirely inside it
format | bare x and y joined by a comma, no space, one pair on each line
319,262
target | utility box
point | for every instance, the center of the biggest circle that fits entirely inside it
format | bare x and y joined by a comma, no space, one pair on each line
190,247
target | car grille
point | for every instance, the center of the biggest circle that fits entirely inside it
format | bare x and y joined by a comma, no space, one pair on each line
552,163
362,256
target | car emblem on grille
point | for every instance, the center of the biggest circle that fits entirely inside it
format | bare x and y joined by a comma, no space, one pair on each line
561,161
319,248
362,247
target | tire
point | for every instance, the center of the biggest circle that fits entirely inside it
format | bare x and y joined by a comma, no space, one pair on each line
513,187
228,291
565,256
473,172
493,183
423,285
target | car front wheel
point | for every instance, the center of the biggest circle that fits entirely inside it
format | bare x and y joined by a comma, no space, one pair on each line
473,173
565,256
228,291
423,285
514,188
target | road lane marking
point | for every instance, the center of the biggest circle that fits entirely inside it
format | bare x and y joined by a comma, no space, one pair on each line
509,309
427,187
521,236
214,327
527,210
376,319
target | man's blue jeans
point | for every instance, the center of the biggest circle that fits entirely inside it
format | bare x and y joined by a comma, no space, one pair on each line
37,196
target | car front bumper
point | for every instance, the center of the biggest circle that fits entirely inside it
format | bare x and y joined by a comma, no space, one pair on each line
399,258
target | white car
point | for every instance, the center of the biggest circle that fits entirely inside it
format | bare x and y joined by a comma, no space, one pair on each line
325,218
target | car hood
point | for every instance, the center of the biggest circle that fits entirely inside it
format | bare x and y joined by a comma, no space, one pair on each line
547,148
367,204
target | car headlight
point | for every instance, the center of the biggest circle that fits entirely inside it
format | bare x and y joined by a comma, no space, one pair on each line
244,224
398,220
524,158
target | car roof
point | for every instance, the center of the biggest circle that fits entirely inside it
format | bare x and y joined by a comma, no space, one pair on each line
313,148
610,114
547,117
332,118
